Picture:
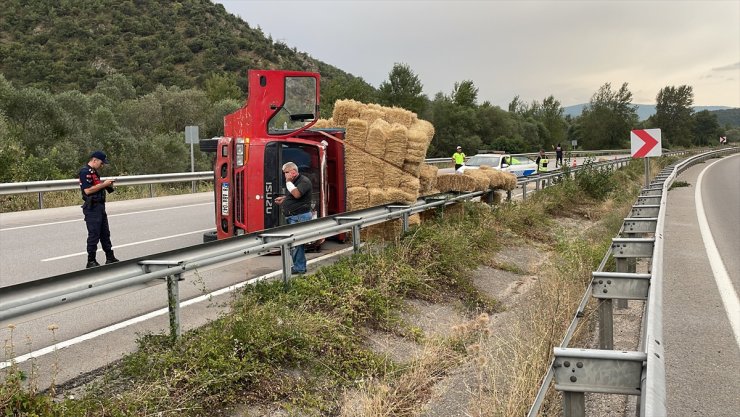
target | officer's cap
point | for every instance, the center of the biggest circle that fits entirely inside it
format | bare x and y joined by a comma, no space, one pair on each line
100,155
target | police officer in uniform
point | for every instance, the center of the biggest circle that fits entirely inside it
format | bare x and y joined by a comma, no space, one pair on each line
542,162
93,194
297,208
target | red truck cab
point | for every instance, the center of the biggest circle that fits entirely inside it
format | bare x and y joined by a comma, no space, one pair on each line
273,128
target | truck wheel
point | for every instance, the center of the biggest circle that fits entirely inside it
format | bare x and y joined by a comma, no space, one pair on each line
210,236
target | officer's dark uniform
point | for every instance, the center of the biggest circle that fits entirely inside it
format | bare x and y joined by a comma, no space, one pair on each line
95,217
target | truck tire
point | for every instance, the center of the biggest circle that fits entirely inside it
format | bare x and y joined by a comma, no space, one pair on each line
208,145
210,236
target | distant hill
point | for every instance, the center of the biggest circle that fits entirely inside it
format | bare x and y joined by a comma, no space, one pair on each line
72,45
643,110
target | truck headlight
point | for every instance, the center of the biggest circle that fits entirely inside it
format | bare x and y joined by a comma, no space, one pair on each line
239,152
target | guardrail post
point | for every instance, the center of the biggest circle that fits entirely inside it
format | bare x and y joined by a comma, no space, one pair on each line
524,191
41,200
285,257
404,216
508,195
173,303
574,404
606,325
356,240
173,292
151,190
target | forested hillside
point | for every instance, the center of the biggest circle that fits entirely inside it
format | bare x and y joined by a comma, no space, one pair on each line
72,45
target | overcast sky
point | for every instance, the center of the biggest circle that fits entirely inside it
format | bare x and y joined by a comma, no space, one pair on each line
533,49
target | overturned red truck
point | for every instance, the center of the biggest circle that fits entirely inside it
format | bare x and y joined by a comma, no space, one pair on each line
269,130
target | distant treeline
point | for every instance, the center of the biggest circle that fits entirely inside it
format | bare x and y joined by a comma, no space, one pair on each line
128,76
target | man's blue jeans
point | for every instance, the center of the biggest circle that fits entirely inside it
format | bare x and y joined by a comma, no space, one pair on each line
298,253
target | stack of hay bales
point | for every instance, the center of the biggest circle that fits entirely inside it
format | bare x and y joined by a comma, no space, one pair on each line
384,149
483,179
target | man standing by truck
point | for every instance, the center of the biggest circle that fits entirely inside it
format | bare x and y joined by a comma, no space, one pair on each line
297,209
93,193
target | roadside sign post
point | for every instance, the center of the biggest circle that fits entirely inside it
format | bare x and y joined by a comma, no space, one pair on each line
191,137
645,143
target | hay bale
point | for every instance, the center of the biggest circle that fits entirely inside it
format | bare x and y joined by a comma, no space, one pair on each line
377,138
414,220
482,181
410,184
356,133
376,197
395,150
345,110
399,115
412,168
503,180
355,168
427,178
323,124
396,195
357,198
373,171
371,114
425,127
454,182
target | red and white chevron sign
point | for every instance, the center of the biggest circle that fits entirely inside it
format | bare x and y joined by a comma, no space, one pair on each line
645,142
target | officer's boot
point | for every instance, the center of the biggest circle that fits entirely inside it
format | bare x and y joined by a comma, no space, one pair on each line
110,258
91,262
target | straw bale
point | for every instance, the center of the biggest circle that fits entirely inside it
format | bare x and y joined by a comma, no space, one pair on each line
425,127
396,195
414,220
373,171
371,114
354,167
427,177
357,198
454,182
482,181
503,180
392,176
410,184
412,168
415,152
395,150
376,197
356,134
377,138
388,231
345,110
322,124
399,115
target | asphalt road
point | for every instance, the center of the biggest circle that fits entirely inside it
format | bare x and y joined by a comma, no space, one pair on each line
41,243
701,317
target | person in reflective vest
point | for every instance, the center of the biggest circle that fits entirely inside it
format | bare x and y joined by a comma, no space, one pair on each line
541,161
459,158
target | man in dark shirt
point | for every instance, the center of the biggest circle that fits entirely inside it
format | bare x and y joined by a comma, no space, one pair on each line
93,193
297,208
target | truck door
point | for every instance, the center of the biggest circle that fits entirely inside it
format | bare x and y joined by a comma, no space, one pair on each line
310,159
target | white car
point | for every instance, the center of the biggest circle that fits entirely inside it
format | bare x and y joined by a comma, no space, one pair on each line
521,166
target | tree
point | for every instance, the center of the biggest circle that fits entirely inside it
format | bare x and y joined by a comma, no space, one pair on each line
344,87
550,114
674,115
608,119
706,128
221,87
403,89
465,94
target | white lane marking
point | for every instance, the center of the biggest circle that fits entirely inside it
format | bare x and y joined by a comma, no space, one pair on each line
721,278
126,244
155,313
110,215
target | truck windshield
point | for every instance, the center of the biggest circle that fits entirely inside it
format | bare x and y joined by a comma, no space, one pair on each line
299,107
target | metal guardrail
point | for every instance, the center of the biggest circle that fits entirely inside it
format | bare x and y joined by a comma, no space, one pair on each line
62,289
604,370
42,187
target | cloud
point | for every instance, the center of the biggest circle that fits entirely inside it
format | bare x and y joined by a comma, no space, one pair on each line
731,67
